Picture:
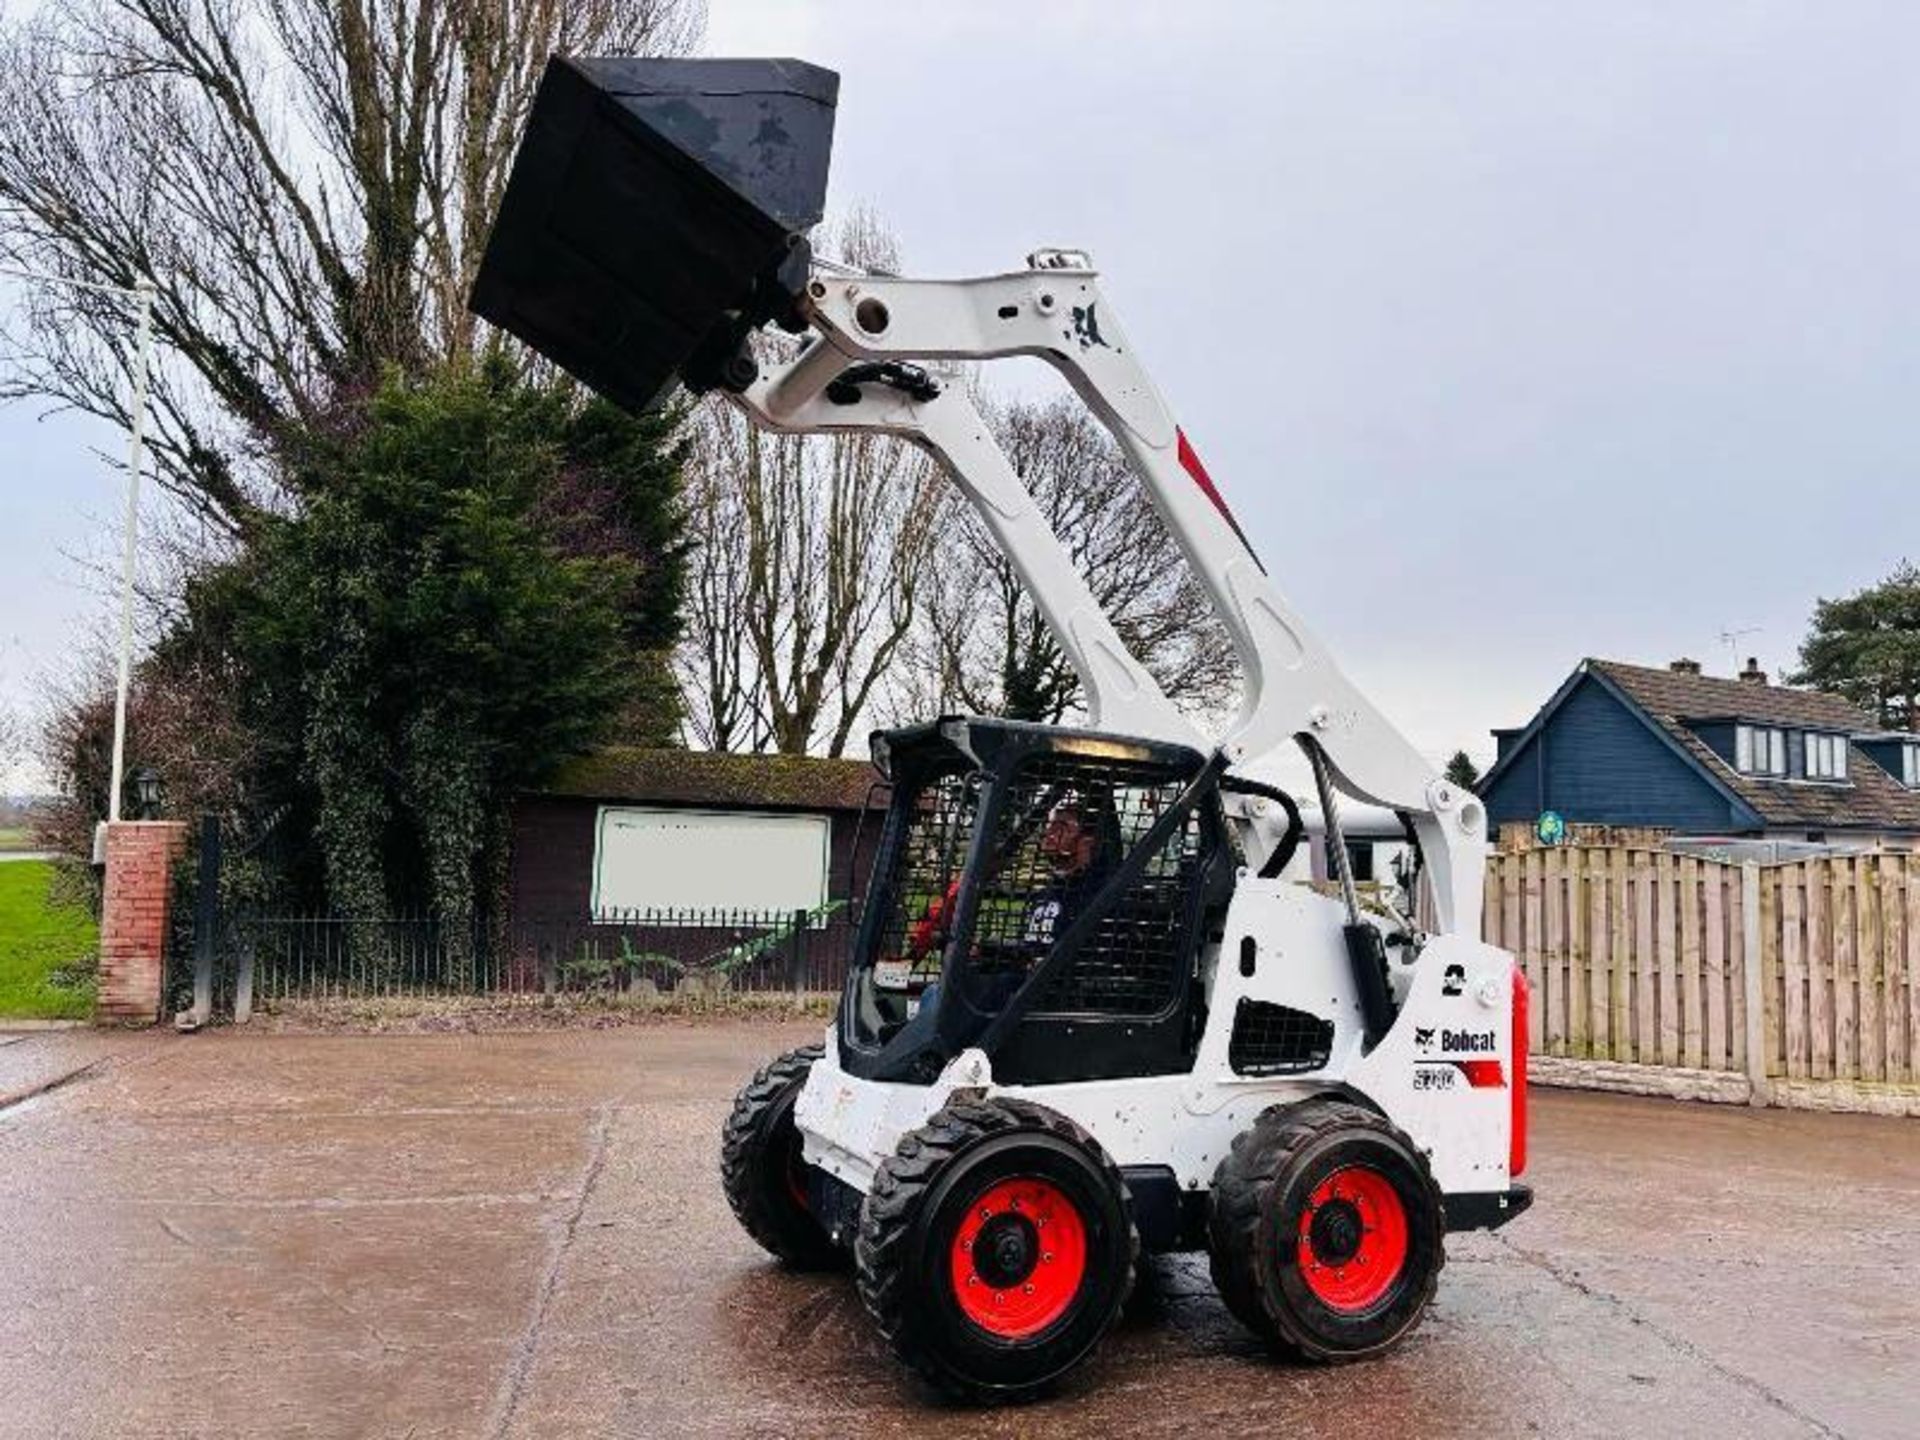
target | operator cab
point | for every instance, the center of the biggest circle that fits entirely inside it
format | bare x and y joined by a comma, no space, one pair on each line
1042,893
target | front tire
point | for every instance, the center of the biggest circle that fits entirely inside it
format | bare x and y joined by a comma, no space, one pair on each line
763,1170
996,1248
1326,1231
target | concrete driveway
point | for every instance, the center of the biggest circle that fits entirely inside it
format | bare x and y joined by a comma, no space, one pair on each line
524,1235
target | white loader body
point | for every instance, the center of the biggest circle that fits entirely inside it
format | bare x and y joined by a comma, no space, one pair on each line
1192,1051
1415,1076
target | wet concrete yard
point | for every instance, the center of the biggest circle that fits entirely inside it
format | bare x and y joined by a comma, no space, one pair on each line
524,1235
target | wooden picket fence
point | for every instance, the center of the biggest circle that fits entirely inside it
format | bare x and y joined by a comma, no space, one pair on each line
1805,971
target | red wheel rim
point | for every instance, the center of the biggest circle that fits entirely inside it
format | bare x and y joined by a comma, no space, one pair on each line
796,1172
1018,1258
1353,1239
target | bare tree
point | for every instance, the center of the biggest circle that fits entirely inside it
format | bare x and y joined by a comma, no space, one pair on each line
810,557
180,721
308,184
982,645
13,750
805,583
715,663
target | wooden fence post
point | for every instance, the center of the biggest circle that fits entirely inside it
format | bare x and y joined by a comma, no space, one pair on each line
1911,872
1753,983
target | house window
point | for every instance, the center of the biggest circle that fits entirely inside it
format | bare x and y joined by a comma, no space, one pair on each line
1826,757
1910,764
1758,750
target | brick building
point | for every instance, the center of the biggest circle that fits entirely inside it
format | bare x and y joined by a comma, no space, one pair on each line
628,830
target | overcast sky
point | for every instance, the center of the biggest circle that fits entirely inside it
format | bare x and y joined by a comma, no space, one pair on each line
1512,332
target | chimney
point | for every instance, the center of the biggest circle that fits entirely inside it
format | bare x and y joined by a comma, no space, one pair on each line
1684,667
1753,674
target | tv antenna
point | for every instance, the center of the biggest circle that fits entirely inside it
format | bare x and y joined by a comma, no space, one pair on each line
1731,639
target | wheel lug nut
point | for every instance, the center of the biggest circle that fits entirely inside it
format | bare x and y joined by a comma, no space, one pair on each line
975,1279
1028,1288
1047,1258
999,1297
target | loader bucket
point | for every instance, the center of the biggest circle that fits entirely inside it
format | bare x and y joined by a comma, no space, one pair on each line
657,211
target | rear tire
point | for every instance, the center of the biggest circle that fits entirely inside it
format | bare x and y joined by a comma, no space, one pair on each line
1326,1231
763,1171
996,1249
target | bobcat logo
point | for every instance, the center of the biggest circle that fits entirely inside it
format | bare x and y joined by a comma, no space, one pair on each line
1086,328
1423,1038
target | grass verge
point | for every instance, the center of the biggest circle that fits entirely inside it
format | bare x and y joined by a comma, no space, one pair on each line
41,945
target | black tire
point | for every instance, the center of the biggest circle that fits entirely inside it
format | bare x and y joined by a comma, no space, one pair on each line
1264,1235
913,1229
761,1168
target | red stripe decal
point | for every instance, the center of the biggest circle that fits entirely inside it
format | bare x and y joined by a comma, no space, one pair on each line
1190,462
1517,1138
1482,1074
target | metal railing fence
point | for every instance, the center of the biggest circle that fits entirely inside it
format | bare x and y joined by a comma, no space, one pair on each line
266,958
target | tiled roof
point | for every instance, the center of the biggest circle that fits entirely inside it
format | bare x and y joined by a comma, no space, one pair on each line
702,777
1710,697
1873,799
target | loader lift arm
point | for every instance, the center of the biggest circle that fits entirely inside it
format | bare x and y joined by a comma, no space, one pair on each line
1055,311
655,221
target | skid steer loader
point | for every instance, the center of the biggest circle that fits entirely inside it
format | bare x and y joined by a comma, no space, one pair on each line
1086,1014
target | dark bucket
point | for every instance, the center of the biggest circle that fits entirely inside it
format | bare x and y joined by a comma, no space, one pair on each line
657,211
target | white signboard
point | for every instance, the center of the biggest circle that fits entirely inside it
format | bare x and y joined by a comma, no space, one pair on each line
648,859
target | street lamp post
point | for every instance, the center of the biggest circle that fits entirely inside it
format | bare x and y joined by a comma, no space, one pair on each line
135,456
142,293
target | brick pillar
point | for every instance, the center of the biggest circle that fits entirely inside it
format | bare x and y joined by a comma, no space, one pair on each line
133,919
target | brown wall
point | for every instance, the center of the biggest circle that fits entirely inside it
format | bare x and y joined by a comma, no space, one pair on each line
551,871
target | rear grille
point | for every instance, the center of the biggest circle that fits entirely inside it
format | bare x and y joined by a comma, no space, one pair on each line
1276,1040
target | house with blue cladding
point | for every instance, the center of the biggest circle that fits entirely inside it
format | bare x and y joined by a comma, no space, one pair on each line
1703,756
